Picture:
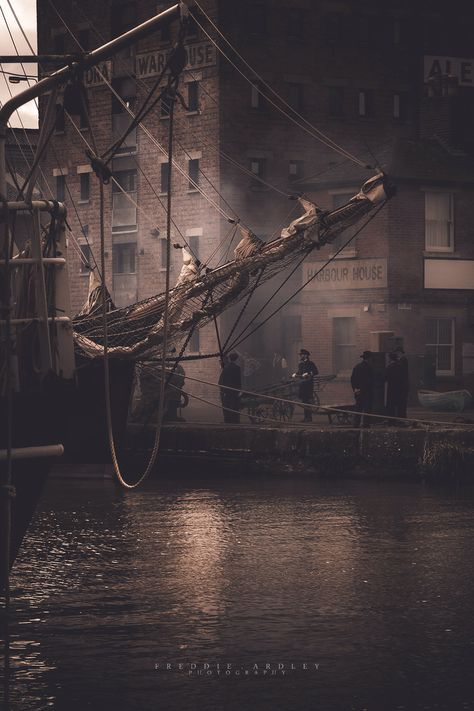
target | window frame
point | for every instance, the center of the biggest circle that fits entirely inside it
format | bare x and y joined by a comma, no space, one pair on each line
84,188
193,174
255,183
449,248
452,344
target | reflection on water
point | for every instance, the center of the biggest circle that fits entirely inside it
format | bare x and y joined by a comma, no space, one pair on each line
370,582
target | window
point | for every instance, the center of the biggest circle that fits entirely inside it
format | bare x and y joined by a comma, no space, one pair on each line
257,168
344,343
165,106
401,107
257,99
126,179
164,248
85,186
295,96
59,125
194,342
124,195
127,90
295,170
336,101
296,23
338,200
365,103
332,28
440,344
439,222
164,175
400,29
61,188
193,96
193,241
86,255
123,257
193,173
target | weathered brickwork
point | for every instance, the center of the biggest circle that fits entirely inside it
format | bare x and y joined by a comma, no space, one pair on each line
355,74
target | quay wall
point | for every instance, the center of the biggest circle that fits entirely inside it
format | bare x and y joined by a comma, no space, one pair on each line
346,453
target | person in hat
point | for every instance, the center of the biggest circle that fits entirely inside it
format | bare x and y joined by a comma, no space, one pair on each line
231,377
305,373
393,376
362,381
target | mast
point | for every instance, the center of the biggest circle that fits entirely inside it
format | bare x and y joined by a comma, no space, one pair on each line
62,75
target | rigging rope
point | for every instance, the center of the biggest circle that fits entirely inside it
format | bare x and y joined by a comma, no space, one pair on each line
314,132
316,408
239,340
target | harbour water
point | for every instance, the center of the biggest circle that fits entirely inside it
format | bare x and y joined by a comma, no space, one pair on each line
245,593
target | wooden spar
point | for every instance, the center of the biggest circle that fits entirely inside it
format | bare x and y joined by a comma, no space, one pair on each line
65,73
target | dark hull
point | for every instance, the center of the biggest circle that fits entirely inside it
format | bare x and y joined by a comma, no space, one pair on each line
72,414
38,420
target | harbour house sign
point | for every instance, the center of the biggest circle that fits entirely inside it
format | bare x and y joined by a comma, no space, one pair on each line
198,56
348,274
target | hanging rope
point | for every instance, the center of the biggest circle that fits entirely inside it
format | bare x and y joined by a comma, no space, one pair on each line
312,130
239,340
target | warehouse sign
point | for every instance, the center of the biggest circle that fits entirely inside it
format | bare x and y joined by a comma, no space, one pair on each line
347,274
463,69
198,56
98,75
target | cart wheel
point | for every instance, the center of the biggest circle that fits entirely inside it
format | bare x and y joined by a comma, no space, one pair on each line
283,411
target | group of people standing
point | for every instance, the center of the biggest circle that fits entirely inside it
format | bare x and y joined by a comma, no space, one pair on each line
362,381
398,386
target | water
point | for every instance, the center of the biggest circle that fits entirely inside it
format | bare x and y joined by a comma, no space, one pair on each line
371,582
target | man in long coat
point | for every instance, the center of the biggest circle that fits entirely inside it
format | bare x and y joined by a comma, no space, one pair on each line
231,377
362,381
306,372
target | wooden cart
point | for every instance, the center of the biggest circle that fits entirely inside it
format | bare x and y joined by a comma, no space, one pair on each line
259,408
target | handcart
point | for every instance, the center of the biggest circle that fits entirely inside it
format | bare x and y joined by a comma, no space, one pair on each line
260,406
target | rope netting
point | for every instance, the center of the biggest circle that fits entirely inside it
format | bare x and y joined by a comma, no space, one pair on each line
134,330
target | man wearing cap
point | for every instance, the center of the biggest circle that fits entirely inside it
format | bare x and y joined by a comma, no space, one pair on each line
231,380
305,373
362,381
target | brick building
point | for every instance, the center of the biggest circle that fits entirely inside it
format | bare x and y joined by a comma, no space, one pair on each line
391,85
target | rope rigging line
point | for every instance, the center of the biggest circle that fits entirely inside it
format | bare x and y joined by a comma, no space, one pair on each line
312,130
177,121
146,130
262,323
45,179
161,407
315,408
238,339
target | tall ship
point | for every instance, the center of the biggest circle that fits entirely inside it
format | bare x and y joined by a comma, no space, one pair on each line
66,379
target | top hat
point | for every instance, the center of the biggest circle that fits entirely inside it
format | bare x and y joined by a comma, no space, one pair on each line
366,354
303,351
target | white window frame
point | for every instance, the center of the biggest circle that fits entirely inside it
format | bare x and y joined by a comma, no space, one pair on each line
451,370
449,223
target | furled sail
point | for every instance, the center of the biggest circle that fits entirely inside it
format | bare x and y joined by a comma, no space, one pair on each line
199,297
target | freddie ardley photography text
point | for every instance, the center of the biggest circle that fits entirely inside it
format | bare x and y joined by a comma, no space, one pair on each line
230,669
